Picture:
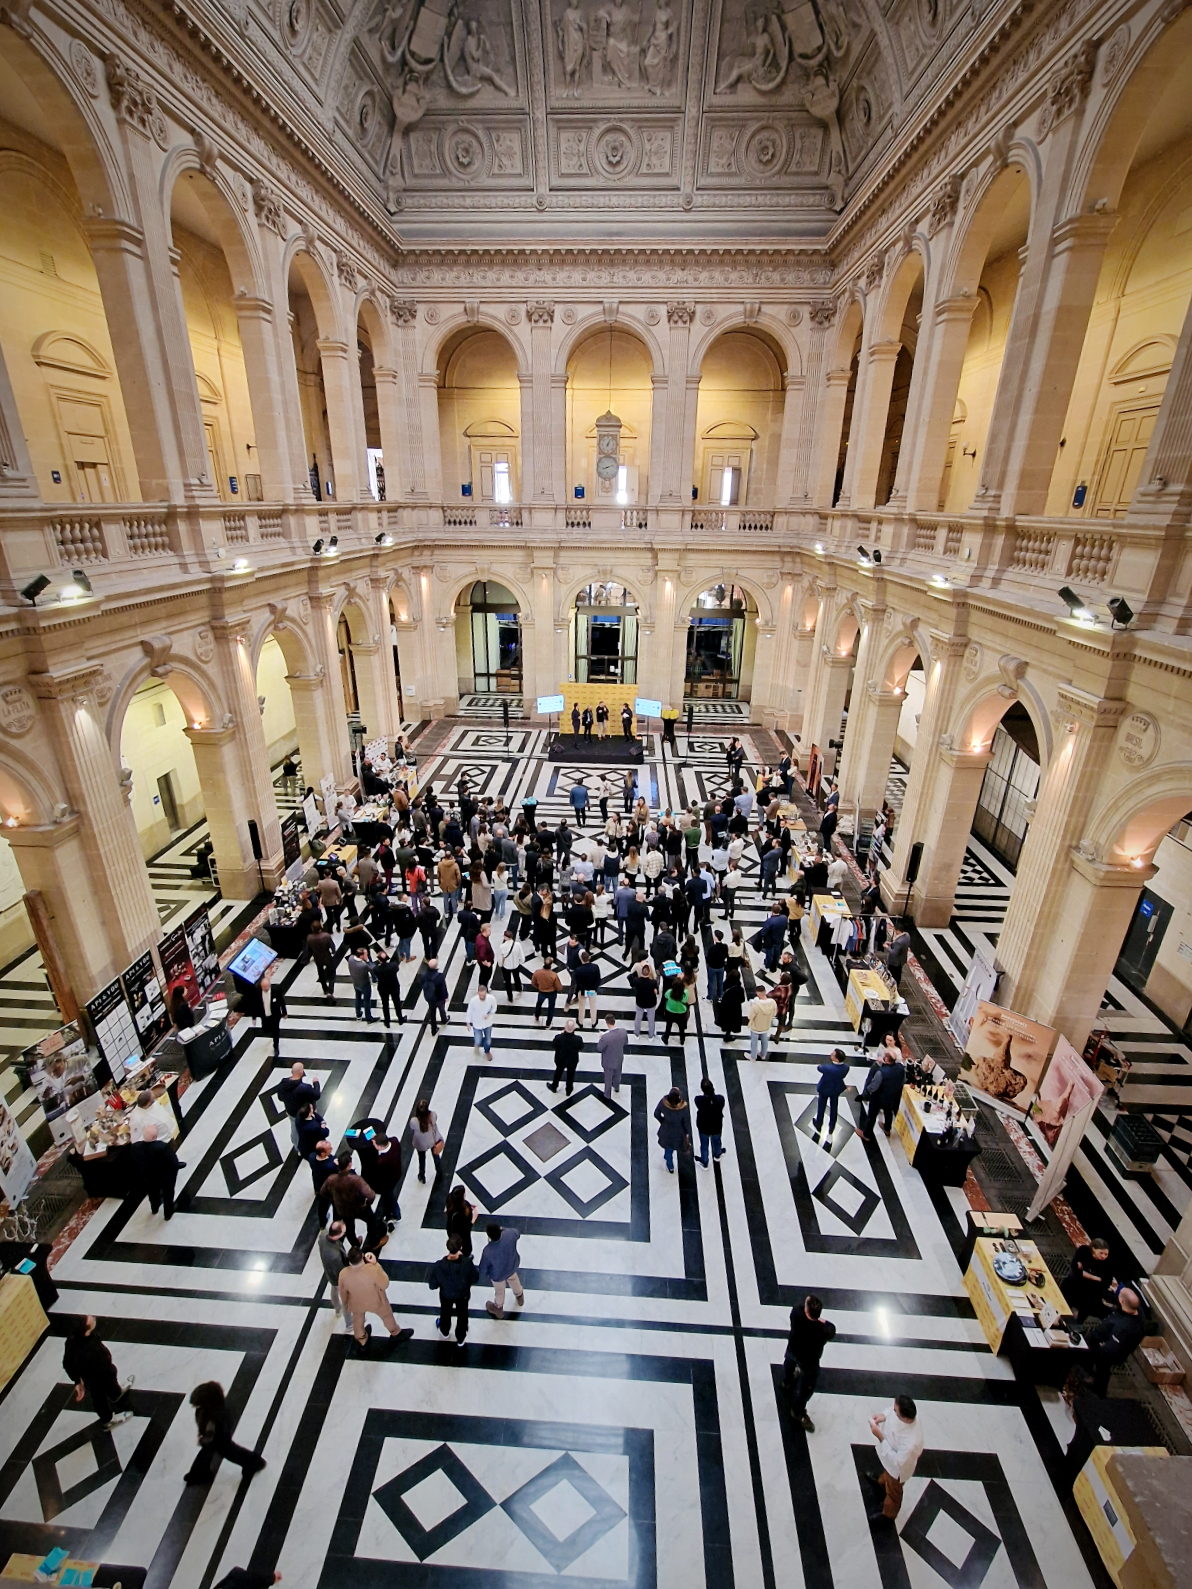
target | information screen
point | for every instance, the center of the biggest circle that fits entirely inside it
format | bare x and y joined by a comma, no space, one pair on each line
251,964
549,704
644,708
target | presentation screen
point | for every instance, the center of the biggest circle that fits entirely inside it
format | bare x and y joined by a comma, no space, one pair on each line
644,708
550,704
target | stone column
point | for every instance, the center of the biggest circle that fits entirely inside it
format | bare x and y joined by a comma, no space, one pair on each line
827,707
1037,918
387,703
869,746
802,652
267,397
559,459
243,758
781,694
675,463
409,458
114,865
217,760
794,387
804,475
54,861
432,452
938,361
687,477
658,412
272,225
342,388
867,437
322,607
144,311
317,744
828,422
538,465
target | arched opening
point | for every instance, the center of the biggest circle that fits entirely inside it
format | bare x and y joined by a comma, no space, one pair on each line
1010,786
305,285
1150,960
904,311
853,356
368,355
209,252
604,631
609,372
54,332
488,640
347,665
1138,313
989,268
721,643
738,422
18,805
294,714
277,713
166,798
480,417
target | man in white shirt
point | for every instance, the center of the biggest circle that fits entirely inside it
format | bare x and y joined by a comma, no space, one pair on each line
899,1446
837,872
482,1007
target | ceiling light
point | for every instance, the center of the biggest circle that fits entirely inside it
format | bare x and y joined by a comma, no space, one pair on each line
34,589
1121,611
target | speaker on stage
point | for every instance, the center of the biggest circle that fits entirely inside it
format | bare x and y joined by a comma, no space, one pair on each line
914,862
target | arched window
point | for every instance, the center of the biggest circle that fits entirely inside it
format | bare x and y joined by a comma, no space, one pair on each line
716,642
605,635
496,639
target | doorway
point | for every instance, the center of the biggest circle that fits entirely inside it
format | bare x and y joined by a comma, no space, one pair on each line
1144,939
169,802
1118,479
1010,785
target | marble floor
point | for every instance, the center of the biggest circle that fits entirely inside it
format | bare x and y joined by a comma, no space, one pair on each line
626,1428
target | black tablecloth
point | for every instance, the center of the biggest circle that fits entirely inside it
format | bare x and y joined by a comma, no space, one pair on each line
289,938
944,1166
1126,1421
207,1052
881,1022
107,1176
14,1252
1035,1364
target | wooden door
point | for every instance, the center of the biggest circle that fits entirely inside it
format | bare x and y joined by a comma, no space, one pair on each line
717,465
1118,480
87,445
217,479
487,464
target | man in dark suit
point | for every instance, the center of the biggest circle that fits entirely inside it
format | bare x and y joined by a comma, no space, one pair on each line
896,953
156,1167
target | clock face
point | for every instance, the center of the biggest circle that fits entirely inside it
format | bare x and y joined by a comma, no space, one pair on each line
606,467
608,443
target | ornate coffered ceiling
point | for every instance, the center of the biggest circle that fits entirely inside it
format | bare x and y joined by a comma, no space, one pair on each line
598,121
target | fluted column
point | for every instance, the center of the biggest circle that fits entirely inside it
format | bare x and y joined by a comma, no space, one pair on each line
794,388
829,420
804,477
115,866
409,477
244,758
867,437
674,463
939,357
341,388
827,707
538,473
54,861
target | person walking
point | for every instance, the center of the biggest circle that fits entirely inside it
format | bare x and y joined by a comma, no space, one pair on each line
885,1095
363,1288
88,1364
320,947
428,926
295,1091
547,985
676,1007
459,1216
322,1168
333,1257
331,898
511,960
312,1129
644,986
833,1079
579,797
810,1332
611,1045
569,1045
352,1198
453,1277
361,973
482,1009
499,1262
899,1446
384,1174
214,1423
388,978
716,961
425,1136
434,991
674,1126
156,1166
709,1121
761,1012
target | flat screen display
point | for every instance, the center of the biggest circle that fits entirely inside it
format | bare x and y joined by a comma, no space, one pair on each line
251,964
644,708
548,704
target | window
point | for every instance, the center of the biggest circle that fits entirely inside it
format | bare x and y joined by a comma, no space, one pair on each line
605,635
496,639
502,491
623,485
730,487
1010,784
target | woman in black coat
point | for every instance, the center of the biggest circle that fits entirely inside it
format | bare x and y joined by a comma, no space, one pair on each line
728,1011
461,1215
674,1126
215,1436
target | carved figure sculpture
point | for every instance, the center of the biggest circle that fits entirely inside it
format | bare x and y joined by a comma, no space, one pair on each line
621,49
408,99
572,32
470,48
755,64
660,48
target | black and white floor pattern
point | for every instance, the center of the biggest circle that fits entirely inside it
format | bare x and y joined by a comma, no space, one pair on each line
627,1427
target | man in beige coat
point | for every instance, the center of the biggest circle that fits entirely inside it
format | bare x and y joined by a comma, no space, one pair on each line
362,1287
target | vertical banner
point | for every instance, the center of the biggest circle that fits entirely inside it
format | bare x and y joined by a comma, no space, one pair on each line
291,846
310,815
146,1001
114,1028
201,943
1067,1100
979,986
1005,1055
178,967
62,1074
815,771
328,791
17,1164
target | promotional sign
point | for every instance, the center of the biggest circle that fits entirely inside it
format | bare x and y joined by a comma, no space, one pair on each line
177,966
1005,1055
550,705
114,1028
146,1001
644,708
17,1164
201,943
979,984
291,846
1067,1088
310,815
251,964
328,791
62,1074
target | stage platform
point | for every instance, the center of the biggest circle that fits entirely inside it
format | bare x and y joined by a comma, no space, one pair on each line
594,752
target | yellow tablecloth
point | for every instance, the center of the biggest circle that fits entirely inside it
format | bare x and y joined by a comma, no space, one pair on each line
994,1301
823,907
862,985
22,1323
1098,1501
23,1569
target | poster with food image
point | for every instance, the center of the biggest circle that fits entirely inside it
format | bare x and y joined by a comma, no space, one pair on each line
62,1074
1005,1055
1068,1086
17,1164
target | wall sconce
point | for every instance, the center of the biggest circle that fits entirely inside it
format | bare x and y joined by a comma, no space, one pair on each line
1138,862
969,452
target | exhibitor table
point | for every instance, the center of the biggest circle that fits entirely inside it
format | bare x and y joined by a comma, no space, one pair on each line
1009,1314
825,908
867,998
920,1131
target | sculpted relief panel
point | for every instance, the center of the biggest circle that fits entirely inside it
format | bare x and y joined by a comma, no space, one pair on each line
611,50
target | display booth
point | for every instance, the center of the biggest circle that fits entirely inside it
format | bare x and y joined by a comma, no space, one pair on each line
937,1129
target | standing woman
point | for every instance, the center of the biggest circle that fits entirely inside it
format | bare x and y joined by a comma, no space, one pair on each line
641,813
500,891
627,723
602,910
547,927
689,955
674,1126
482,893
738,955
729,1009
676,1005
461,1216
425,1136
628,788
632,866
215,1436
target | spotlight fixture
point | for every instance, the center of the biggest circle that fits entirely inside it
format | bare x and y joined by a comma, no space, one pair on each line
877,556
84,583
333,543
1075,604
317,547
863,555
240,565
1121,612
384,540
34,589
819,546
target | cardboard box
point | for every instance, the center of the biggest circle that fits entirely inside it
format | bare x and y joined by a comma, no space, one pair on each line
1159,1362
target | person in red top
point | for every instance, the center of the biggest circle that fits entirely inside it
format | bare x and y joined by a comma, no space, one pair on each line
484,953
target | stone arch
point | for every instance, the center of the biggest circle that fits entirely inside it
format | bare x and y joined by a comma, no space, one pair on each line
846,623
890,308
979,712
594,323
809,602
566,593
240,245
368,311
689,589
27,793
1162,53
290,636
849,326
977,224
352,605
767,327
898,658
462,585
397,586
1129,826
300,257
448,333
197,692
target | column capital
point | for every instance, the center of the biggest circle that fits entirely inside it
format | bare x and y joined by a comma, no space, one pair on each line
44,836
1104,874
963,759
105,233
211,736
840,377
884,352
312,681
331,347
230,628
959,308
249,308
1078,708
66,684
1084,231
